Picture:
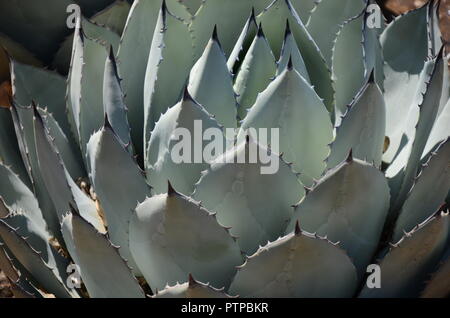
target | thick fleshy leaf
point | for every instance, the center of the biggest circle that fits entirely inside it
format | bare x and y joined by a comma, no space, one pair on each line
428,113
275,16
15,194
172,236
406,266
119,185
290,104
326,19
297,265
133,56
60,186
440,130
348,205
234,189
113,16
404,45
428,192
445,96
393,172
85,86
362,128
23,124
211,84
30,223
94,254
174,152
69,151
243,42
348,50
167,69
191,289
9,149
373,58
46,88
31,226
32,261
113,102
91,29
434,32
192,5
179,10
304,8
290,51
255,73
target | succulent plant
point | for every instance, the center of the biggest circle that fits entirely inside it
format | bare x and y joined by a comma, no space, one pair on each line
89,187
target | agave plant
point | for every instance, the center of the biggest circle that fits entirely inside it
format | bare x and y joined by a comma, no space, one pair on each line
89,188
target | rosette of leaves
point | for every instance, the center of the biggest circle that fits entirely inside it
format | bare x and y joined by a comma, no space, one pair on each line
87,180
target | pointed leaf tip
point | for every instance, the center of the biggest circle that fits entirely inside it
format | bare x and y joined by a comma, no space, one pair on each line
372,76
107,123
288,29
192,282
170,189
215,36
186,95
298,230
350,156
111,53
260,31
441,53
253,15
73,210
290,65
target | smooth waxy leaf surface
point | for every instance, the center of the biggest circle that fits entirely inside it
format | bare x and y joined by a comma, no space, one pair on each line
172,236
429,108
119,185
9,148
85,87
404,45
297,265
348,50
167,69
362,128
428,192
234,190
290,51
60,186
349,204
255,73
113,102
290,104
276,16
176,153
325,20
211,84
104,273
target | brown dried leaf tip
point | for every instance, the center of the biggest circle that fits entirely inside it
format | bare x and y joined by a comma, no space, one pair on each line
5,94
